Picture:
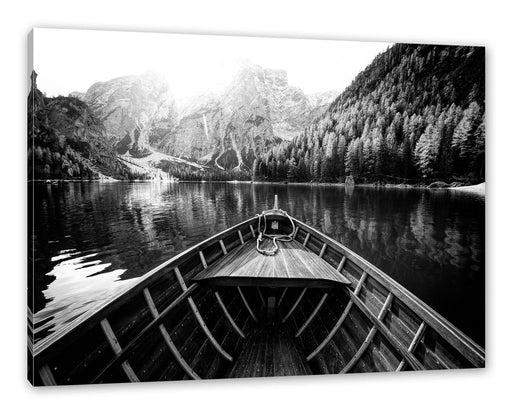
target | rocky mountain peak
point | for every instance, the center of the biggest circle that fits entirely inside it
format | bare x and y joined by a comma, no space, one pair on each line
130,106
322,99
251,73
276,77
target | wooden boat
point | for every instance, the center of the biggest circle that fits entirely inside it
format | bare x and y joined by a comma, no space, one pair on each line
222,309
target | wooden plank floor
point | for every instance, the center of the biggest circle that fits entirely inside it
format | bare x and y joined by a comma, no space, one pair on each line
270,351
293,262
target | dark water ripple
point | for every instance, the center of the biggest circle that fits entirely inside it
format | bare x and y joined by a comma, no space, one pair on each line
94,239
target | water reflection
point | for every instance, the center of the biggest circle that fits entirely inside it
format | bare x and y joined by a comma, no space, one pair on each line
93,239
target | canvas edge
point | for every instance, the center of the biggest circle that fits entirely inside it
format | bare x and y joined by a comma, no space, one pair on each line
30,211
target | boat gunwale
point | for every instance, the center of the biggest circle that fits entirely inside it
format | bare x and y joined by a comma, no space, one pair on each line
70,333
434,320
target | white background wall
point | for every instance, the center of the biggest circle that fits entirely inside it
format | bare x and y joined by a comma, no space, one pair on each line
464,22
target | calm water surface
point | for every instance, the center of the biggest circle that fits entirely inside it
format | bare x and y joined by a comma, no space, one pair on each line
95,239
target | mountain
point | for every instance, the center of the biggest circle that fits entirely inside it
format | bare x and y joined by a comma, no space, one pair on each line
77,94
416,113
257,110
319,103
67,140
131,108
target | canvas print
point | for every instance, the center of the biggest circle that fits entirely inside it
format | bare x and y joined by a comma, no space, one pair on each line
204,207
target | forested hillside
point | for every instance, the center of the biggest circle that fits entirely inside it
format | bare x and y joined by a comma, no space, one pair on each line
416,113
66,140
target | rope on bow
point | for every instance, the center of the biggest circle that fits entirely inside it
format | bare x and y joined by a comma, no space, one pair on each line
274,237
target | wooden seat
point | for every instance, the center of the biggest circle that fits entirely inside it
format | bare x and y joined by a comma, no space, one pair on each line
293,266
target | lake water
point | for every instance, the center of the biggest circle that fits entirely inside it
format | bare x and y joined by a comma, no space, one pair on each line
93,239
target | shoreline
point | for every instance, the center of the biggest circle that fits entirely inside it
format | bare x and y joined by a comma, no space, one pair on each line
474,189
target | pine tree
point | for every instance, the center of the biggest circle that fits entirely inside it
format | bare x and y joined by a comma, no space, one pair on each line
391,156
348,158
426,152
406,155
380,152
292,170
464,143
255,168
341,149
309,166
368,158
317,160
479,159
352,159
301,170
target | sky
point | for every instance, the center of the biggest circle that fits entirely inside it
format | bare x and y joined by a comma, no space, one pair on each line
72,60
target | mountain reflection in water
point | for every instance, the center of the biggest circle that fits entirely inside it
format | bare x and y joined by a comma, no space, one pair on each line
93,240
